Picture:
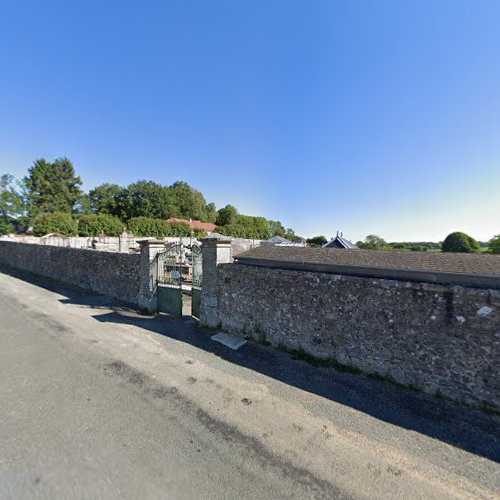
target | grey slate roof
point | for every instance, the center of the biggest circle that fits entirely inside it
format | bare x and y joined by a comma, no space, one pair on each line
339,242
276,240
484,264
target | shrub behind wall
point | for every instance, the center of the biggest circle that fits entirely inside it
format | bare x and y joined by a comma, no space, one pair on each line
460,242
149,227
6,227
56,222
102,224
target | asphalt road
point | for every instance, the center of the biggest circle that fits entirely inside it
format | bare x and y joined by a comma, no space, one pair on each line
99,402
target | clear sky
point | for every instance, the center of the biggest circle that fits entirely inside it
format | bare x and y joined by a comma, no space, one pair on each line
368,116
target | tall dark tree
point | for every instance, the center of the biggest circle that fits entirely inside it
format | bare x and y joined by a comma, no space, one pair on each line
11,198
202,211
52,187
226,216
211,213
105,199
146,199
183,202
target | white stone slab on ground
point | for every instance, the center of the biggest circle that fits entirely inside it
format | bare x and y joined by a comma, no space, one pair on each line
230,341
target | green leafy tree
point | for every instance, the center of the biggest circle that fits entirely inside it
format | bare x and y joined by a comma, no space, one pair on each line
460,242
150,199
226,216
494,244
52,187
12,203
100,224
373,242
83,206
55,222
211,213
291,236
202,211
317,240
107,199
275,228
146,199
182,202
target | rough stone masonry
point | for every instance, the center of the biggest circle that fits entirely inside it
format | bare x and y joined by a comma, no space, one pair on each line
113,274
442,339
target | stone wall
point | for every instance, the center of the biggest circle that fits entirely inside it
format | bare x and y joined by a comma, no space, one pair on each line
436,337
127,243
114,274
240,245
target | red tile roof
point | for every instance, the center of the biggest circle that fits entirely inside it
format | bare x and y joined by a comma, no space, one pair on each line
195,224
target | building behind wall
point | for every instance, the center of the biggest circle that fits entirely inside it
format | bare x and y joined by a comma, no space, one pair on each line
340,242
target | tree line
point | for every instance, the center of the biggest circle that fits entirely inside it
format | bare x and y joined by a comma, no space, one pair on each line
457,242
50,198
454,242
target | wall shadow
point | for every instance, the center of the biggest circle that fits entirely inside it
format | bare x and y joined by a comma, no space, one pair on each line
456,424
453,423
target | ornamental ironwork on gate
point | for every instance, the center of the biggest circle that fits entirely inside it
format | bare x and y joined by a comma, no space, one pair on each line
197,277
169,291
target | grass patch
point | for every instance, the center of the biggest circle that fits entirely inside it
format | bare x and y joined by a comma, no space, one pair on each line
301,354
261,336
487,409
215,328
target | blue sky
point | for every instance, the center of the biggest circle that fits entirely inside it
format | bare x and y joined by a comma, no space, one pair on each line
365,116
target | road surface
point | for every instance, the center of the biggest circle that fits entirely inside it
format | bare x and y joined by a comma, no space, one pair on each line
99,402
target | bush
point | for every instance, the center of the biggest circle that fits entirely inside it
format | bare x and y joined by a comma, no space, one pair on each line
373,242
180,229
6,227
417,248
317,240
199,233
460,242
149,227
95,225
494,244
56,222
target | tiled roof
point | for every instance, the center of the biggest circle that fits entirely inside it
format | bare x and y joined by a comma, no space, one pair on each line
484,264
195,224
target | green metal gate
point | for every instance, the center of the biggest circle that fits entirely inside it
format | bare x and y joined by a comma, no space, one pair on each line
197,279
169,291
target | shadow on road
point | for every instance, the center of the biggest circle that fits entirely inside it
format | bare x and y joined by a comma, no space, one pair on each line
453,423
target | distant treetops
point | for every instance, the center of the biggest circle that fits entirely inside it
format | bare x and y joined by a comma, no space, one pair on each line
50,199
460,242
455,242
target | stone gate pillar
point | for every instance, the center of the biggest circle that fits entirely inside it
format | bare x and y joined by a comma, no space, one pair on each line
149,273
215,251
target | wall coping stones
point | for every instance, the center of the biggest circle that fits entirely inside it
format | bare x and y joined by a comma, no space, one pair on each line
477,263
491,281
